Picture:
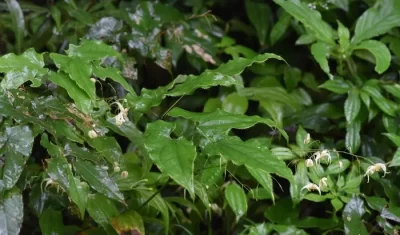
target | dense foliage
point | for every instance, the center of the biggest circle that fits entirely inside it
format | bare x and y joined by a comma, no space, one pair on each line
199,117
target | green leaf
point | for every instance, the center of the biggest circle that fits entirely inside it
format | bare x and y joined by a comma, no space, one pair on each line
377,20
219,121
283,153
174,157
98,179
56,14
344,37
387,106
259,14
277,94
51,222
394,138
336,168
343,4
235,103
300,180
292,77
380,52
321,52
212,105
11,213
352,105
264,179
338,86
90,50
310,18
113,74
352,217
128,222
18,23
353,139
236,198
82,100
393,89
280,27
245,153
102,209
396,158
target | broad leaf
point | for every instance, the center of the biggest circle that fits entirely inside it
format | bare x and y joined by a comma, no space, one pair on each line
387,106
396,158
237,200
280,27
11,213
18,23
352,105
310,18
300,180
174,157
259,14
321,52
112,73
352,217
90,50
338,86
102,209
128,222
353,139
380,52
277,94
245,153
377,20
51,222
98,179
264,179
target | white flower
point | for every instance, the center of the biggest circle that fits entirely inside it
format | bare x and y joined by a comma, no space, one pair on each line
92,134
307,139
309,163
122,116
375,168
311,186
322,155
124,174
323,182
340,164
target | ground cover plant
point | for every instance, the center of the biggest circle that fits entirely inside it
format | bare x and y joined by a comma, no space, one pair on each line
183,117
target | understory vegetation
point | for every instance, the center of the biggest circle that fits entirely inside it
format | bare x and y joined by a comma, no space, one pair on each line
200,117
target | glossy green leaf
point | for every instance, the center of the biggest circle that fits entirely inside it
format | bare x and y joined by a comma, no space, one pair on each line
98,179
336,168
264,179
128,222
387,106
380,52
102,210
283,153
393,89
353,139
376,203
338,86
174,157
51,222
236,199
321,52
396,158
82,100
280,27
245,153
292,77
212,105
259,15
11,213
377,20
352,217
90,50
352,105
56,14
235,103
18,23
344,37
113,74
391,213
300,180
283,212
219,121
277,94
310,18
394,138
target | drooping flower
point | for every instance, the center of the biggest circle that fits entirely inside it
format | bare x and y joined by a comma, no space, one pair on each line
375,168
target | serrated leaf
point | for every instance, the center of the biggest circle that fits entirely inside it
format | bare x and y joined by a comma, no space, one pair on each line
51,222
380,52
387,106
321,52
352,217
377,20
352,105
174,157
353,139
310,18
259,14
338,86
98,179
11,213
236,199
245,153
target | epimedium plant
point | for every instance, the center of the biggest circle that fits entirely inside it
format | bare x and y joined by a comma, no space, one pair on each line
255,145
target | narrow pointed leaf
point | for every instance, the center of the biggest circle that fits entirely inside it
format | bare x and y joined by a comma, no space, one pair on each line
321,52
236,198
352,105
